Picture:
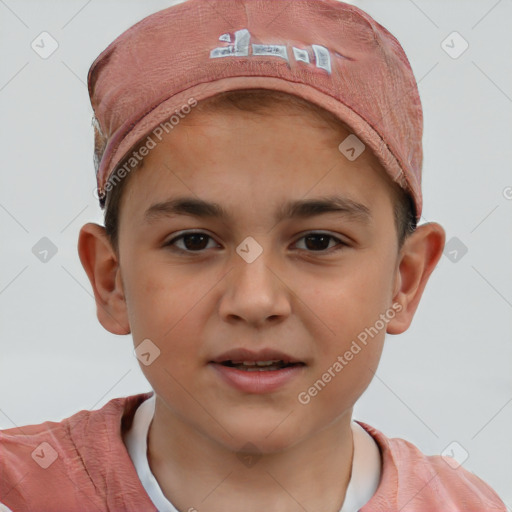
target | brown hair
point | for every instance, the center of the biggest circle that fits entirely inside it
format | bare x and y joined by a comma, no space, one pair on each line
255,101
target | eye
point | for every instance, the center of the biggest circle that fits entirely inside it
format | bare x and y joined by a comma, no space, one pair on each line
319,242
194,241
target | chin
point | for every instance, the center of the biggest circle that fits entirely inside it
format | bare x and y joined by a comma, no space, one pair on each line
262,433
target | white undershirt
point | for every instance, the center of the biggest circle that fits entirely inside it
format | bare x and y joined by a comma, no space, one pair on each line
363,483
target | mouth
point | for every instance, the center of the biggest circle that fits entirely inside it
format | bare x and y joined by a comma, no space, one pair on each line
263,360
264,371
260,366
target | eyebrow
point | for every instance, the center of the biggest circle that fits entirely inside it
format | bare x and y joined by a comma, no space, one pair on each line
303,208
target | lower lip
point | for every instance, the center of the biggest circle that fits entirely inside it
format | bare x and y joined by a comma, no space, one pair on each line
257,381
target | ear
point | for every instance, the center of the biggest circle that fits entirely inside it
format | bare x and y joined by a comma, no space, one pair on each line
418,258
101,265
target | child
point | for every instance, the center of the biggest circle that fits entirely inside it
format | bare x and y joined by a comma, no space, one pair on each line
253,128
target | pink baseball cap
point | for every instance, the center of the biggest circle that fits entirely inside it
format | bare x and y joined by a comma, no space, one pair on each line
328,52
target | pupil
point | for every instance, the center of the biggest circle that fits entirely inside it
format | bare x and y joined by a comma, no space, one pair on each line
324,238
195,237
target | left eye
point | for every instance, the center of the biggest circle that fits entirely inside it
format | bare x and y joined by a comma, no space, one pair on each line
195,241
319,240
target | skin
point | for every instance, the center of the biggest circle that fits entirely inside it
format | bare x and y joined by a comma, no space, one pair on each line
308,301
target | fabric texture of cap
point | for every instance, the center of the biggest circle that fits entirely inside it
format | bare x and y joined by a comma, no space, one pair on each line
330,53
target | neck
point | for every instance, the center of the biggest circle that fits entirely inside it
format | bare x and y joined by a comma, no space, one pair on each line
196,472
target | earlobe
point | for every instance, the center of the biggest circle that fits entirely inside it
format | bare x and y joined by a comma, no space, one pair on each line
102,268
418,258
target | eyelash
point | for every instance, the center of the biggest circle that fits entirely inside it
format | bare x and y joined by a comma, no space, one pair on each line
340,245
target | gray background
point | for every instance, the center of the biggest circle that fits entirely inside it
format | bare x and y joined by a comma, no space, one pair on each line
448,378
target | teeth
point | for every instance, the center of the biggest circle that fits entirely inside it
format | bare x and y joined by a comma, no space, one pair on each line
258,363
260,369
262,366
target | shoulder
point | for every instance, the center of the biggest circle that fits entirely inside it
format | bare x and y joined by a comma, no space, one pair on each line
53,463
413,481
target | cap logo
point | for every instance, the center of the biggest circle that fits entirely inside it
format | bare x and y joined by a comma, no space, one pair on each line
241,46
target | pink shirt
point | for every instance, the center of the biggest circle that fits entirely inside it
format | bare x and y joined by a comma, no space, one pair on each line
81,464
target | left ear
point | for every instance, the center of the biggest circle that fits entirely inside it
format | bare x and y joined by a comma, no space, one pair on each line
418,258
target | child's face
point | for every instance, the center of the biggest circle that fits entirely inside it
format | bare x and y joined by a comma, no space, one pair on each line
200,298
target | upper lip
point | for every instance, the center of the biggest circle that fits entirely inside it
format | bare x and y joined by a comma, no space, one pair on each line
266,354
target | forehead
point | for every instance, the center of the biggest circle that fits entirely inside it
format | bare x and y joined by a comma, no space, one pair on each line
213,156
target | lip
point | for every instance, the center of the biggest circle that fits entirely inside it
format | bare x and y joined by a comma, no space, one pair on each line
257,382
266,354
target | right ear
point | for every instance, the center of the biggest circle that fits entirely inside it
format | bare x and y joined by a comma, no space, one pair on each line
101,265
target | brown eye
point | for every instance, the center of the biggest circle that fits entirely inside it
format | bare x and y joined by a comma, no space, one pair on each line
319,242
192,242
198,241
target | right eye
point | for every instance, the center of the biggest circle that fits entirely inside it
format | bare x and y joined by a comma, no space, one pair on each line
193,241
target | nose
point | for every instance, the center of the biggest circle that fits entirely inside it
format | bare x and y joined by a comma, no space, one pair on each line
255,293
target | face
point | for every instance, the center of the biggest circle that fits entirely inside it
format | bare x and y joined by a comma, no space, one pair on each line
257,284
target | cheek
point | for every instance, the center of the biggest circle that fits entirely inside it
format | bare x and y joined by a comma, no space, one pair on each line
349,351
341,382
353,300
358,306
161,303
166,309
